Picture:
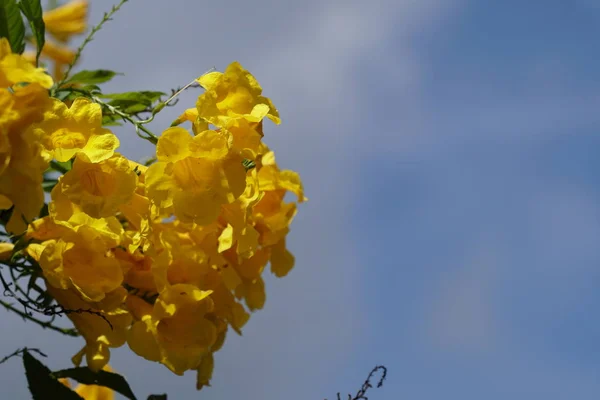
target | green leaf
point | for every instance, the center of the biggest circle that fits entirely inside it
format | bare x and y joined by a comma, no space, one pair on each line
144,95
92,89
132,102
12,26
48,186
93,77
44,212
33,11
102,378
42,385
110,120
61,166
68,94
248,164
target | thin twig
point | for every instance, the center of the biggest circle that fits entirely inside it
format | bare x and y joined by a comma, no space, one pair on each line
19,351
360,395
139,125
107,17
43,324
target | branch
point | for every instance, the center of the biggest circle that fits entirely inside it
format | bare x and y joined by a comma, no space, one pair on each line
361,394
43,324
19,351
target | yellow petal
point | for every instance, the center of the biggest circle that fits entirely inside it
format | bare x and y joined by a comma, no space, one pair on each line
173,145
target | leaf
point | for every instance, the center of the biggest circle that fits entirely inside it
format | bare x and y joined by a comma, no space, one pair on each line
102,378
44,212
33,11
68,94
144,95
47,186
110,120
248,164
12,26
92,89
132,102
93,77
61,166
42,385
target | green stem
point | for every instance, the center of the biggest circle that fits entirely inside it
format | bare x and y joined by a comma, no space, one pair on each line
107,17
43,324
57,167
139,125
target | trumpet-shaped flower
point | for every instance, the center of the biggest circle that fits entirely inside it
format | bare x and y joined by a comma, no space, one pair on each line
23,100
99,189
80,258
233,95
14,68
103,324
67,131
195,175
175,331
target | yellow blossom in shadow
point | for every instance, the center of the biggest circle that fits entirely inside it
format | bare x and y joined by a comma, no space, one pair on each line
103,326
175,330
80,259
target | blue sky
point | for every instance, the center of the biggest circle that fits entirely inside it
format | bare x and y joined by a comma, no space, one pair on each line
448,149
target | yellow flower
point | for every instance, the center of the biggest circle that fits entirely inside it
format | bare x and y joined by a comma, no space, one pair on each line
103,327
282,261
80,258
139,270
94,392
232,96
29,102
78,129
67,20
14,68
239,232
137,214
247,139
100,188
253,293
195,175
6,250
272,217
179,261
61,55
23,100
272,178
21,179
204,371
174,331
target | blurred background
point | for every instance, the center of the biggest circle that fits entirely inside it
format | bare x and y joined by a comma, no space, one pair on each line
449,150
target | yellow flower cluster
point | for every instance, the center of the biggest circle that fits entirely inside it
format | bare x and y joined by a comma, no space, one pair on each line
164,258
